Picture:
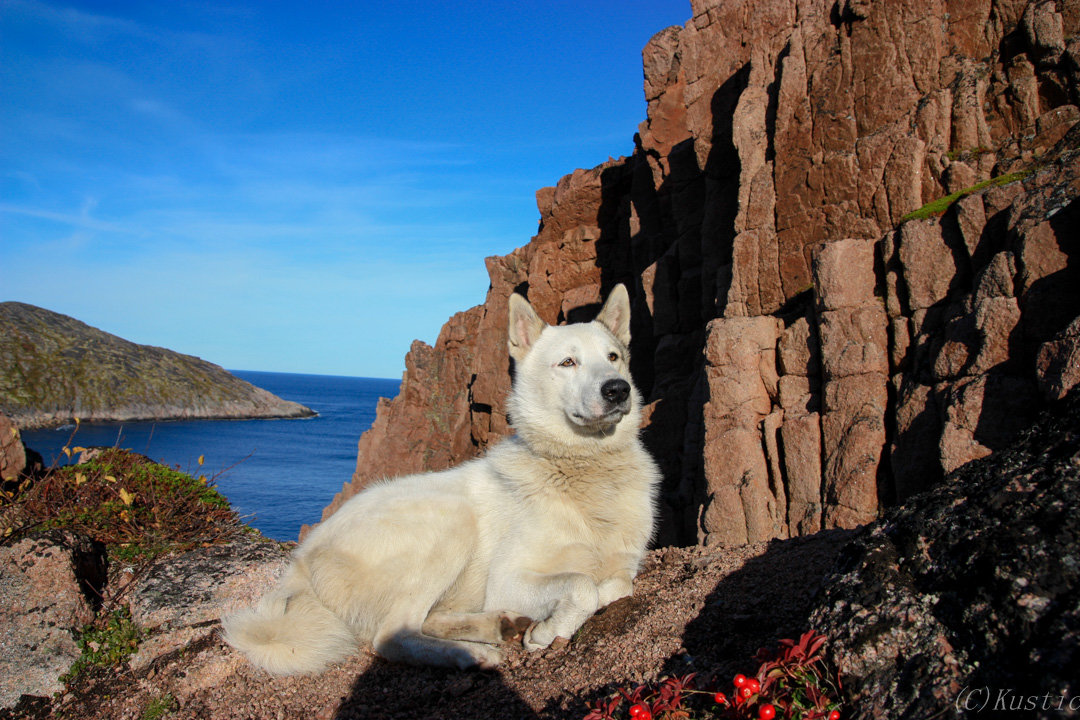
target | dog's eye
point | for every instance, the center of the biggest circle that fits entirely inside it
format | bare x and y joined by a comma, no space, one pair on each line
613,357
567,363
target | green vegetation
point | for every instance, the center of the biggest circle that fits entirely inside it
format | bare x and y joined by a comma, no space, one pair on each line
939,206
105,643
136,507
159,707
139,510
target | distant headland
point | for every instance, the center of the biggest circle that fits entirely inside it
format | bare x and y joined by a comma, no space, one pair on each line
54,369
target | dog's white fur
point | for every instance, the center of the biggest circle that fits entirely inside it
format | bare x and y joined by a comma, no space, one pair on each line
438,568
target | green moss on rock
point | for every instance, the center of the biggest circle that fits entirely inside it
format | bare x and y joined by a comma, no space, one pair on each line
939,206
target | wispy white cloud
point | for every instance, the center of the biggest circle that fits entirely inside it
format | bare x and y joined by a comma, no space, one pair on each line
158,110
75,23
80,219
191,173
24,177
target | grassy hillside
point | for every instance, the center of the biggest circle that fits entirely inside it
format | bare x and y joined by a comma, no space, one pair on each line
54,368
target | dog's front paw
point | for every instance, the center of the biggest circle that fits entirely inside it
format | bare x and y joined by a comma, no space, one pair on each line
513,627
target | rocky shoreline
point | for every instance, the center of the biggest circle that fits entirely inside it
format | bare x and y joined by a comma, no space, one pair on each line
55,370
273,408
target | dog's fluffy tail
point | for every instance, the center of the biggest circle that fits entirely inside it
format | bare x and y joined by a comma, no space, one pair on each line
289,631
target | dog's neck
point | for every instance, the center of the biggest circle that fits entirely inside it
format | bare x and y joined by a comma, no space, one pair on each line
584,445
551,470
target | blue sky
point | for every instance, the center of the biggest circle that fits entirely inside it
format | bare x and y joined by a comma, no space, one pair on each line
296,187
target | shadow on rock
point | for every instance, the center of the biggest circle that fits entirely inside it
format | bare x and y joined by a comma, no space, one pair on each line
754,603
402,692
769,598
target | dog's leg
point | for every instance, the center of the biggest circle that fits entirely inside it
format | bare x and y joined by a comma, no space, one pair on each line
619,579
572,598
615,578
617,586
415,648
486,627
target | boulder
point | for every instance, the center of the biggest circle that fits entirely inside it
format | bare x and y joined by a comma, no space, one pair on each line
1058,362
50,587
963,600
53,584
181,597
12,451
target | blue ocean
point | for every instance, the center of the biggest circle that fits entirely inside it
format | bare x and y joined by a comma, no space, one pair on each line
278,474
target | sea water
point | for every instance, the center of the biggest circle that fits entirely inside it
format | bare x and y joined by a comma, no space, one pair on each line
278,474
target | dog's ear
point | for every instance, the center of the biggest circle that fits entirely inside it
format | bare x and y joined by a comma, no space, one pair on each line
615,315
525,327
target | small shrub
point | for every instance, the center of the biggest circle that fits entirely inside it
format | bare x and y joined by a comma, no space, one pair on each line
105,643
137,507
791,683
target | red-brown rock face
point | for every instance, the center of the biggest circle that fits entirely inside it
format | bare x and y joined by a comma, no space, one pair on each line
808,356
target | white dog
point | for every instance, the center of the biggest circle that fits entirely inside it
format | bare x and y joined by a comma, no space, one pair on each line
526,542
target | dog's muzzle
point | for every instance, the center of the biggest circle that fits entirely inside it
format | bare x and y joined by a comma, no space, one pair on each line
615,391
605,411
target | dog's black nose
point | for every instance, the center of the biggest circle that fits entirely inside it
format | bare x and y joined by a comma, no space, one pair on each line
615,391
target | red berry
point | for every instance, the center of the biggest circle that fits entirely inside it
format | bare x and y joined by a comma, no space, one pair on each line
746,692
720,698
739,680
766,712
834,715
753,684
636,710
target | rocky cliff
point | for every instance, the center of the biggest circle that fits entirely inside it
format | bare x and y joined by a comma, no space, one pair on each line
54,369
846,230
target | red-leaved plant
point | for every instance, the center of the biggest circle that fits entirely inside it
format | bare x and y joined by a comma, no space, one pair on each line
791,683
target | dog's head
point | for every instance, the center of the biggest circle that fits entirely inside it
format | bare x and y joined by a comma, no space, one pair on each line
572,384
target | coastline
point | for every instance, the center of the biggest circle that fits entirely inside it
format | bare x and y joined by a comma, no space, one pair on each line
278,473
55,369
54,420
